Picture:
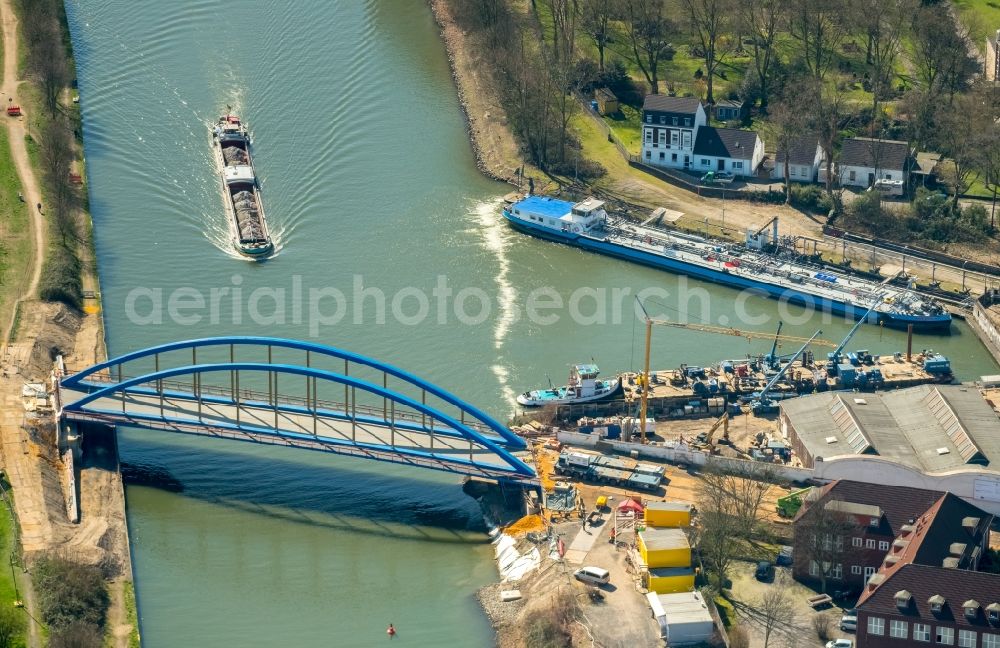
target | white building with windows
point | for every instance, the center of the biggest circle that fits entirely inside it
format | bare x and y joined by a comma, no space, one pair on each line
669,127
804,156
675,134
866,162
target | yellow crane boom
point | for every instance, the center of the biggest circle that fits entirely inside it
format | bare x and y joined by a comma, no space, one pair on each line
750,335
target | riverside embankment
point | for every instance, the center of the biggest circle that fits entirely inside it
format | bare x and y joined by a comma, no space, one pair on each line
74,510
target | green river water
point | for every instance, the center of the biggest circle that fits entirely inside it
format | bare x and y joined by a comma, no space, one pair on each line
368,179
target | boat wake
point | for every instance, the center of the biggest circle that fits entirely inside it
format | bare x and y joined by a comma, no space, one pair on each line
495,239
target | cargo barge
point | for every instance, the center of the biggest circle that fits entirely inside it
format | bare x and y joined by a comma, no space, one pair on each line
241,189
588,226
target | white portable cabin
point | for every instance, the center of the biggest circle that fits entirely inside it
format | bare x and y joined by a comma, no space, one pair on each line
683,617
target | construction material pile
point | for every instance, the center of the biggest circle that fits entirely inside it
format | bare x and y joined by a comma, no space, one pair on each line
235,156
248,220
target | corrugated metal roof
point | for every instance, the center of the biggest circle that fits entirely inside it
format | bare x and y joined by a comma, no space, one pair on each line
932,428
668,506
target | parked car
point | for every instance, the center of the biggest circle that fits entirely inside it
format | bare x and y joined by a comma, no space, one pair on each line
765,571
849,622
840,643
718,177
784,556
592,575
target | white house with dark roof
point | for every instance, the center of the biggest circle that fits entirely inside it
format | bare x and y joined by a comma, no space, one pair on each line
866,162
669,126
675,134
804,158
739,152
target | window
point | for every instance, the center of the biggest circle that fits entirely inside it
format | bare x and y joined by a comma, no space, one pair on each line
663,119
966,639
851,177
673,157
991,640
705,162
687,139
739,165
945,636
876,626
649,135
687,121
662,155
793,171
899,629
827,542
857,542
675,121
856,570
649,154
663,137
922,632
649,119
883,545
870,543
813,568
888,176
673,138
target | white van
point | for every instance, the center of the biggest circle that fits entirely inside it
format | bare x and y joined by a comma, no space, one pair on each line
592,575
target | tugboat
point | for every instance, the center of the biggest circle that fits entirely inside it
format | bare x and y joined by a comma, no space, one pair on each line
240,188
583,387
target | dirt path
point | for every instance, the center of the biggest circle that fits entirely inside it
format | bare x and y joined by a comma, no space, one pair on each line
19,152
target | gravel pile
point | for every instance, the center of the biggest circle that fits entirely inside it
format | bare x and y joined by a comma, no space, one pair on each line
500,614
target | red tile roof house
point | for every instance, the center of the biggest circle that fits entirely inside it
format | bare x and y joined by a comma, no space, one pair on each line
927,590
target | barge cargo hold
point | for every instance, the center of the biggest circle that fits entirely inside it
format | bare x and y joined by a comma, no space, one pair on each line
588,226
241,189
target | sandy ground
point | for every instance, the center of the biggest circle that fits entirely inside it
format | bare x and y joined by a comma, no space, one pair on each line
30,458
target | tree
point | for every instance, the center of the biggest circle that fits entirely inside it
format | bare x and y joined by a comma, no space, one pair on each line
737,492
788,123
884,22
776,613
823,537
827,118
77,635
941,56
817,28
760,19
711,21
595,19
714,539
11,626
958,136
650,33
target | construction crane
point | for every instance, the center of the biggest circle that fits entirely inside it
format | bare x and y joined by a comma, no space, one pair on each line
762,403
833,358
644,381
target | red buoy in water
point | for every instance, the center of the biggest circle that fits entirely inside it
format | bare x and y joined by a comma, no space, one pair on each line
391,631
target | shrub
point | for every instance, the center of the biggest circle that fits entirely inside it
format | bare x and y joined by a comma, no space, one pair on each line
12,626
809,197
77,635
69,593
821,624
549,626
61,280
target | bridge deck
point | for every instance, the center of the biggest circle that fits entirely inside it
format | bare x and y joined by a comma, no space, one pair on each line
402,440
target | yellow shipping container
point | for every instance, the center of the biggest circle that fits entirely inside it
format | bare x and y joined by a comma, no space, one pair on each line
667,514
664,548
670,580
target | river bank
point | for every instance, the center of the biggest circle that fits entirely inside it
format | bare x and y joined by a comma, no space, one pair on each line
68,501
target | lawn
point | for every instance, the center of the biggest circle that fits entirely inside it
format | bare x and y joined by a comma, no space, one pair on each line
981,16
15,235
627,127
9,592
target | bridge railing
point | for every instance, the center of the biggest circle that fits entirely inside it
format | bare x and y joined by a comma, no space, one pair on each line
245,394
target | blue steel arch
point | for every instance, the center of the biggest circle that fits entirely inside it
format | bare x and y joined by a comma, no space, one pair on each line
464,430
78,380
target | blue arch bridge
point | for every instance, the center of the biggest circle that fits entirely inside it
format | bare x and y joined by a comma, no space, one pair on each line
296,394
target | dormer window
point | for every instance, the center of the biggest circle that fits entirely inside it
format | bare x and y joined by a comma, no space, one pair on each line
649,118
675,121
936,603
663,119
873,522
971,608
687,121
903,598
993,612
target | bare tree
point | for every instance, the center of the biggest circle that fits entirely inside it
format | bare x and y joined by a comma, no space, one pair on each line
650,33
713,536
595,20
884,22
828,114
788,123
737,492
818,28
776,613
711,22
822,538
959,135
761,19
941,56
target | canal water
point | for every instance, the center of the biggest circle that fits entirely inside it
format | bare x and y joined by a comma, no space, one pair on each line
390,244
